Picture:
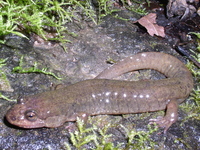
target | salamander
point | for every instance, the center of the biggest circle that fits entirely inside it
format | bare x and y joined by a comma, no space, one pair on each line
104,95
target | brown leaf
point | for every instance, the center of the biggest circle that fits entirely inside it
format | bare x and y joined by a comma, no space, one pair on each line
149,22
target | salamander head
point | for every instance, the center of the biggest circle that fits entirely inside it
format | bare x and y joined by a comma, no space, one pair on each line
36,111
23,116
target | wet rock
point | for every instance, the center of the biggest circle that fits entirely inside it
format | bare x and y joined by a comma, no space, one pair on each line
18,42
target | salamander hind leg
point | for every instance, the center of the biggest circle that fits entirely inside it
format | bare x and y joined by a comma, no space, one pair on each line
170,117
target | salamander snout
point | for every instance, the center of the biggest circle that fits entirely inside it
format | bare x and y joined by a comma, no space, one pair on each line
11,117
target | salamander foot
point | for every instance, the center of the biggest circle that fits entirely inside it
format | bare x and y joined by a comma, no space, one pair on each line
163,122
170,117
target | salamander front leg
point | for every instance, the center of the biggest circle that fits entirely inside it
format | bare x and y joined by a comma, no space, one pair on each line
170,117
83,117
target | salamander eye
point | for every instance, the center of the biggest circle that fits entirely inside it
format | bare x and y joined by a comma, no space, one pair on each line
31,115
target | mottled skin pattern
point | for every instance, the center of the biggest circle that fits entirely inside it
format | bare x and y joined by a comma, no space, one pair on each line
103,95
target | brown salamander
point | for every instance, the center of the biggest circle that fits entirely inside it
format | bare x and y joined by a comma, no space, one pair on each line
105,96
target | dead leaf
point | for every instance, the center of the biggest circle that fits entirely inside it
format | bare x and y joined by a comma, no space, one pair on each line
149,22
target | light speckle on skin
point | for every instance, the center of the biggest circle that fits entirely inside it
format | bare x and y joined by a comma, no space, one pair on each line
131,57
115,93
124,95
107,101
22,101
172,119
170,66
84,115
134,96
99,94
137,59
144,55
21,118
48,112
147,96
93,95
141,96
108,93
172,115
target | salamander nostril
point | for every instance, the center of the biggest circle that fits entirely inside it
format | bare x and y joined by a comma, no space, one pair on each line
13,118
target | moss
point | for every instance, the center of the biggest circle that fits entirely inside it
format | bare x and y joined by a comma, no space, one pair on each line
33,69
4,83
33,16
198,40
137,9
43,16
101,139
139,139
192,106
